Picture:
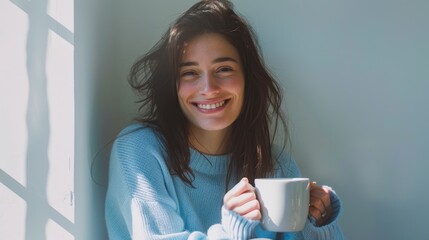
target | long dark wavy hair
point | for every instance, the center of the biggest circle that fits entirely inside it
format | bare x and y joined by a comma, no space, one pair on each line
155,75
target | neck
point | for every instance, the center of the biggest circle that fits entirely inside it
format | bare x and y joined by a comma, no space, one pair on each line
209,142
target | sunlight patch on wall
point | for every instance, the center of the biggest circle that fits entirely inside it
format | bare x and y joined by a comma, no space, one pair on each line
62,11
12,214
59,70
60,84
54,232
13,90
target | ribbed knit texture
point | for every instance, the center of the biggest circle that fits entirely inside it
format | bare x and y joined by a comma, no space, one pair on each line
144,201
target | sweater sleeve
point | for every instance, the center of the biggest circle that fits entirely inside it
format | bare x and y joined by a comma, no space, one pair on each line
141,202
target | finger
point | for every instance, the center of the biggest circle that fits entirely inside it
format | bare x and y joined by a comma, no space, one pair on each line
247,207
320,197
312,185
240,200
253,215
314,188
324,188
239,188
317,214
318,203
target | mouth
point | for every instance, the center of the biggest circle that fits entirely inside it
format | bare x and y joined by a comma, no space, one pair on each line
211,106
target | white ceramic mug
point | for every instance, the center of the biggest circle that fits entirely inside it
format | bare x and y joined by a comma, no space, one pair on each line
284,203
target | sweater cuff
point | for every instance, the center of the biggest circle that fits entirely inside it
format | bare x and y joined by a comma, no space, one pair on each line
331,231
336,207
236,226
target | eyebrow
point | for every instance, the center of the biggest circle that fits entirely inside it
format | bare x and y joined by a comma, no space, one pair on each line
217,60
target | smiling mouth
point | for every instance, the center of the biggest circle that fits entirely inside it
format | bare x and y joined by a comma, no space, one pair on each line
211,106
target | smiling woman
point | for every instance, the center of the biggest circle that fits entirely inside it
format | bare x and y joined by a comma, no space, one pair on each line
186,170
210,91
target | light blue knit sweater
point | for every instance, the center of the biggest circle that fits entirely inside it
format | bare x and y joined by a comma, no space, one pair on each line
144,201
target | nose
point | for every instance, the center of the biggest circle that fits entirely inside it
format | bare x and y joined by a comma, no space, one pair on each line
209,85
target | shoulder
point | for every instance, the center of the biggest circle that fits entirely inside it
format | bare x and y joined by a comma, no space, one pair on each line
138,160
138,145
285,165
137,132
138,137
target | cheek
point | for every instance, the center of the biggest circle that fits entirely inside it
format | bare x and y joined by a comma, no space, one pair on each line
184,91
238,87
240,92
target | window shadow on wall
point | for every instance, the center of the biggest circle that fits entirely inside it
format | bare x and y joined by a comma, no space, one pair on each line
38,127
39,212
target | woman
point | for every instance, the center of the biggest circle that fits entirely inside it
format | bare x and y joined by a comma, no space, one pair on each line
210,111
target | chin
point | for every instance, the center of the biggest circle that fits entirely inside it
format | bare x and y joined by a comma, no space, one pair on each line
215,127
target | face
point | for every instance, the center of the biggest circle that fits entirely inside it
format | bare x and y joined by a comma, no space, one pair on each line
211,83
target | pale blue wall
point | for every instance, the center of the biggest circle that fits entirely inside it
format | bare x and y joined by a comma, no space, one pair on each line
355,77
356,81
100,103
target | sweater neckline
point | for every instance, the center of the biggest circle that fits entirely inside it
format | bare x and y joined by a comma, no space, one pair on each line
210,164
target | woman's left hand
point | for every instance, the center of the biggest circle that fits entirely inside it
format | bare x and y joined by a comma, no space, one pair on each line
320,203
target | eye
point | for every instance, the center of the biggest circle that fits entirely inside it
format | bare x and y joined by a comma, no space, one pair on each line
188,74
224,69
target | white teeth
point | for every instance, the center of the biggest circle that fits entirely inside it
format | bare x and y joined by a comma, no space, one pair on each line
211,106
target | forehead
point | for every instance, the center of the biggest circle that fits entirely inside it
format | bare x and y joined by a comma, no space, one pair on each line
208,46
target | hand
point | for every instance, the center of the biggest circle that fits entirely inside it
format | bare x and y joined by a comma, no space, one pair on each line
242,200
320,203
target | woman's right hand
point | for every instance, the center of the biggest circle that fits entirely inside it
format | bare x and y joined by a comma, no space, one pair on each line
242,200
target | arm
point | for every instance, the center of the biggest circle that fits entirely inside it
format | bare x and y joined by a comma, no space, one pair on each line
141,202
330,229
315,228
240,202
